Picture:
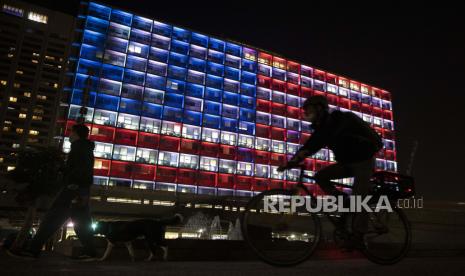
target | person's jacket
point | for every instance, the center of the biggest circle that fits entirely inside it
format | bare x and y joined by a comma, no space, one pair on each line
349,137
79,168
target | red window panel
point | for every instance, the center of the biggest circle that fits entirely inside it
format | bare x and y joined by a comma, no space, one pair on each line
380,154
169,143
293,112
366,108
262,157
389,134
225,181
293,89
209,149
166,174
319,75
126,137
190,146
102,133
309,164
260,184
278,109
387,115
148,140
293,67
264,81
390,155
227,152
279,85
344,103
121,169
330,78
69,126
277,159
263,106
279,63
278,133
101,167
319,164
277,184
243,182
385,95
377,93
187,176
378,112
144,172
263,131
264,58
355,106
245,155
304,137
306,92
291,185
207,179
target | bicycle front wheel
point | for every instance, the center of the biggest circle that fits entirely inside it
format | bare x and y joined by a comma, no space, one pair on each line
279,237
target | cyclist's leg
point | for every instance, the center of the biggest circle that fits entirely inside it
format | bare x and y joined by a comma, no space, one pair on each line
336,171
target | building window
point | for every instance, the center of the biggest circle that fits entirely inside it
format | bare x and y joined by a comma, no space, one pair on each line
37,17
262,171
103,117
246,141
128,121
244,168
227,166
19,130
189,161
275,174
262,144
228,138
13,99
13,10
33,132
168,158
191,132
171,128
149,125
210,135
208,164
293,175
148,156
278,146
124,153
103,150
3,82
22,116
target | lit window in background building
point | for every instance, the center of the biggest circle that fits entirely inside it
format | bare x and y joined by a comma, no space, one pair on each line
12,10
37,17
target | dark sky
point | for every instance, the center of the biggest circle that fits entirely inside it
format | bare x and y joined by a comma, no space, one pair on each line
416,52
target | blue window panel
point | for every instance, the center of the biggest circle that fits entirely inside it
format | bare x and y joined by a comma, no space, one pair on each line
181,34
213,108
249,78
140,36
247,102
76,98
142,23
232,73
107,102
161,28
247,128
158,55
197,64
248,90
193,104
230,111
87,66
211,121
109,87
215,69
194,90
198,52
175,86
132,91
196,77
229,124
233,49
247,115
91,52
112,72
178,60
231,86
172,114
134,77
246,154
81,82
93,38
179,47
177,72
161,42
230,98
157,68
214,81
136,63
152,110
215,56
249,65
117,44
199,39
174,100
213,94
192,118
279,74
156,82
121,17
130,106
119,30
99,11
153,96
96,24
216,44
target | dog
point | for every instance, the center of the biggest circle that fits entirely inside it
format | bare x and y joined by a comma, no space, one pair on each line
153,231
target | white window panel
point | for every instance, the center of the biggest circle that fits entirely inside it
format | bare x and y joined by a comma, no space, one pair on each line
246,141
228,138
227,166
166,158
103,150
191,132
189,161
278,146
128,121
262,144
148,156
208,164
275,174
262,171
149,125
210,135
124,153
244,168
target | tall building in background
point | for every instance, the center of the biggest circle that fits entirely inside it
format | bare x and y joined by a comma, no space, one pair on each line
34,44
171,109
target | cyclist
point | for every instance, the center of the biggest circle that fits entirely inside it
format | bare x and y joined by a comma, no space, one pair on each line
353,142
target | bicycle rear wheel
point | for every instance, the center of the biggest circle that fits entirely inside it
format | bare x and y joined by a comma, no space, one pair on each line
279,238
388,238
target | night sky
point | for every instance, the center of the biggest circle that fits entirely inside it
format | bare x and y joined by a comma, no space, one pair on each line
415,52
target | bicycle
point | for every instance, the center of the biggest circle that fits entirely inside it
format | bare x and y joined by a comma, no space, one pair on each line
288,238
